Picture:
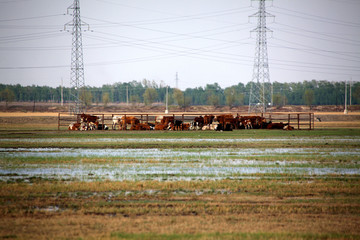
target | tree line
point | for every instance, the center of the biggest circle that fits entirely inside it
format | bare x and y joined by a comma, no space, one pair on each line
149,92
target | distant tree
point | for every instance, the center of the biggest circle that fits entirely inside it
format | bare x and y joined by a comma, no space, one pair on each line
279,100
178,96
356,93
105,98
134,99
186,102
214,100
309,97
241,99
150,95
86,97
7,95
230,96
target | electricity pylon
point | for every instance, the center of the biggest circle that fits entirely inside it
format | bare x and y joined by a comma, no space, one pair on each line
77,79
261,88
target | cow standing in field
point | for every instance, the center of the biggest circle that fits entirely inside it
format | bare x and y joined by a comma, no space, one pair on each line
253,122
125,120
227,122
88,118
199,122
208,120
88,122
177,125
116,121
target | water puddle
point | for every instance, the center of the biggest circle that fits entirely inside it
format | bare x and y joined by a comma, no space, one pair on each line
166,153
169,164
119,173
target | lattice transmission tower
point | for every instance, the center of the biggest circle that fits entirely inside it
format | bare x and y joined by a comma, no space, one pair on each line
77,78
261,89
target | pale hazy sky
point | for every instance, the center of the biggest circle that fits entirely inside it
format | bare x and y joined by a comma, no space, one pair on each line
205,41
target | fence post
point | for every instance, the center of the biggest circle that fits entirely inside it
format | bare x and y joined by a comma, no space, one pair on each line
102,121
289,119
125,123
310,120
182,124
298,121
58,121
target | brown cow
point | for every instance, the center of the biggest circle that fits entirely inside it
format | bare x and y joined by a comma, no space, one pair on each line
168,119
226,121
250,122
276,125
288,127
185,126
74,126
88,118
128,120
160,126
140,126
208,119
199,122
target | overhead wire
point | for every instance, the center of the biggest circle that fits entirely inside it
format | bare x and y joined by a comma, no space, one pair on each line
172,50
30,18
357,42
28,37
312,49
199,15
314,17
234,59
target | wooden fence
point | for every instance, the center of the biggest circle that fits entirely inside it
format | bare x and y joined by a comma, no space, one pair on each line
300,121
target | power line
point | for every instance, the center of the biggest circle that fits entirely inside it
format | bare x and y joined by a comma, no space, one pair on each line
315,17
175,15
162,31
311,49
356,42
29,37
30,18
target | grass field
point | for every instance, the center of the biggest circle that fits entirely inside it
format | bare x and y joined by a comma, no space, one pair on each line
249,184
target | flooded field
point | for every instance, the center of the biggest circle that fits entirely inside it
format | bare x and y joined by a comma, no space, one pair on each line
77,164
180,185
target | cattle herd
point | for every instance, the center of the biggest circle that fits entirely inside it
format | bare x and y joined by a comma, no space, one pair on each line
225,122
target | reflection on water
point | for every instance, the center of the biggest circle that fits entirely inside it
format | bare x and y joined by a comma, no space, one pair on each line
161,153
168,164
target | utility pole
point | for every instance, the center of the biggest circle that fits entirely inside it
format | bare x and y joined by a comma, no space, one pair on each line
350,92
261,90
346,110
166,100
77,79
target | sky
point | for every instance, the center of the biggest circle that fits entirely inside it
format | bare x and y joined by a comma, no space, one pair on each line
204,41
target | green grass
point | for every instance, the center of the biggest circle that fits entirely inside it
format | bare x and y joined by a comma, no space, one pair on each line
236,134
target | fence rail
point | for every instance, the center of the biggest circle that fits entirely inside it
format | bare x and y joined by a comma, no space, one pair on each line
300,121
